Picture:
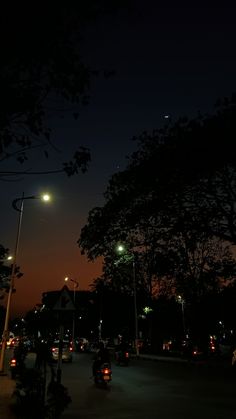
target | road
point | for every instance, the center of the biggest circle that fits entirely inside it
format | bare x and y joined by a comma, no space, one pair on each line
149,390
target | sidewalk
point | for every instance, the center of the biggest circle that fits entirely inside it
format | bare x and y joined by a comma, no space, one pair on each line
7,386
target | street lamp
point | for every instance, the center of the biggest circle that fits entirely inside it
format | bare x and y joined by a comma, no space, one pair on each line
75,285
100,330
45,198
121,249
181,301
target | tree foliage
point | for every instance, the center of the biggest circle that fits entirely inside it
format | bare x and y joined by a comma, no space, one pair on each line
43,73
41,68
175,202
5,271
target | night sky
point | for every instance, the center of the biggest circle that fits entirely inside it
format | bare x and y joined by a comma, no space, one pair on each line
167,60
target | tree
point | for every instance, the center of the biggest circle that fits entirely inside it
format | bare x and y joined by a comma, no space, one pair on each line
179,184
5,271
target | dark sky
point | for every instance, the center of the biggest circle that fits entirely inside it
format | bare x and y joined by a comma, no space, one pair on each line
168,60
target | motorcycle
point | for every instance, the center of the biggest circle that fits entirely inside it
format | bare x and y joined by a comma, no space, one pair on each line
122,358
16,367
103,374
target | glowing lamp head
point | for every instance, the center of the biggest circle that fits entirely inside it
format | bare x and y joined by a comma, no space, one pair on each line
46,197
120,248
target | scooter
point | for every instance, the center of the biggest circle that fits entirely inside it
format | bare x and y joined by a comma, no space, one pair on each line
103,375
16,367
122,358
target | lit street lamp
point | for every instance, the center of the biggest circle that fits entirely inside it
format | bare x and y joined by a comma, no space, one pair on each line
121,249
75,285
45,198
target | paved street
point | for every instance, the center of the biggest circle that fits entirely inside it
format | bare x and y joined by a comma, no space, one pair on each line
148,389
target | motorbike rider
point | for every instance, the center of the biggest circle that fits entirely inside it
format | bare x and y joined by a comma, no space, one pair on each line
20,352
120,351
102,356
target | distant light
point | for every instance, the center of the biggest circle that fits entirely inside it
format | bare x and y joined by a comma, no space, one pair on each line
9,257
120,248
166,116
66,279
147,310
46,197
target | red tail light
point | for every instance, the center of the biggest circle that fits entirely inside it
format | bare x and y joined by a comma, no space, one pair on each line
126,354
13,363
71,349
53,349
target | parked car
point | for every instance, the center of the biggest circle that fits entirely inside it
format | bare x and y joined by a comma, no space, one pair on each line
67,351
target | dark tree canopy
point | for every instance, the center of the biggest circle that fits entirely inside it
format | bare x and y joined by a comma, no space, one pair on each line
178,193
5,271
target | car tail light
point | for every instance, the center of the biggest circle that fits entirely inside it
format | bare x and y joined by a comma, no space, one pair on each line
126,354
53,349
71,349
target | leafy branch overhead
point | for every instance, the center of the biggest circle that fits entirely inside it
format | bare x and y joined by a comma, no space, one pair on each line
42,75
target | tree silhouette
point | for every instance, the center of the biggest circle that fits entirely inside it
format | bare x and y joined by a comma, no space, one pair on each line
179,185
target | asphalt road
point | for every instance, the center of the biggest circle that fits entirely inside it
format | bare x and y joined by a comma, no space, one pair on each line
150,390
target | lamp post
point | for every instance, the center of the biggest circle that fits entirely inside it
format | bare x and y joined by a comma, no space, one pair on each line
45,198
181,301
121,249
75,285
100,330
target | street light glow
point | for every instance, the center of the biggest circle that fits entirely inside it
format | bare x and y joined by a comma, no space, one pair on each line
46,197
120,248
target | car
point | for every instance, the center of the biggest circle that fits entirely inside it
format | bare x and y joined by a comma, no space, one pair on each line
67,351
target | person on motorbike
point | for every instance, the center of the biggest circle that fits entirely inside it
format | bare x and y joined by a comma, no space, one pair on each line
20,352
101,357
121,349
